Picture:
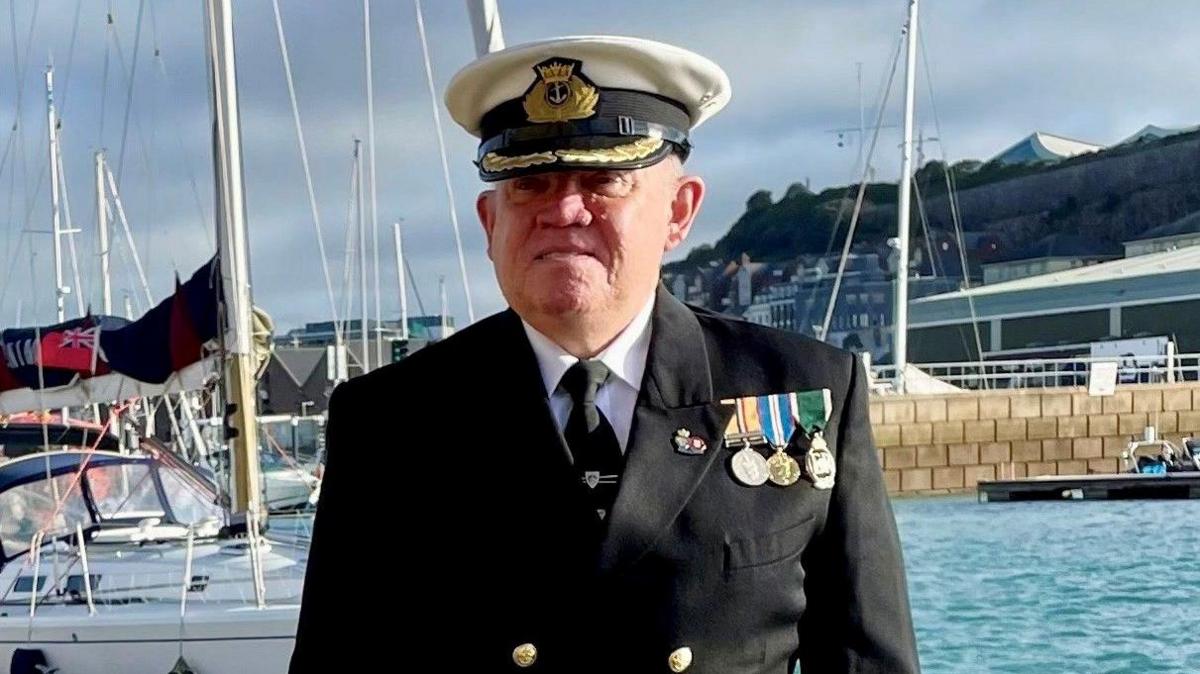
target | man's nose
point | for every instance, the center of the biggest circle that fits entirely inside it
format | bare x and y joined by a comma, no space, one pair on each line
565,209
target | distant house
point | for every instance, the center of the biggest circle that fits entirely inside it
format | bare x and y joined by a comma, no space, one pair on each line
1056,252
1044,147
1171,236
296,381
695,285
728,288
862,316
301,373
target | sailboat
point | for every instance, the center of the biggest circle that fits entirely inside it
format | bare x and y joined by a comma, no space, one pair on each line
120,563
125,563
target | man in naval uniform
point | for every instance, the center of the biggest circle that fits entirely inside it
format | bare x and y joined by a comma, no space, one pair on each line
601,478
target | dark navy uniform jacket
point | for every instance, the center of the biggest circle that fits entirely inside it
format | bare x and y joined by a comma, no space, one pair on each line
450,526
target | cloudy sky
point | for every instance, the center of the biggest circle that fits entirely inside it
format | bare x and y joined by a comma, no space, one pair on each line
1096,70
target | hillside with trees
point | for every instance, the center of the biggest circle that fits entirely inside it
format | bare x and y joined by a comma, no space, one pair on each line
1113,195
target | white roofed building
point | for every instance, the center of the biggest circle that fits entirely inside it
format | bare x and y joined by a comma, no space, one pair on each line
1061,313
1152,132
1042,147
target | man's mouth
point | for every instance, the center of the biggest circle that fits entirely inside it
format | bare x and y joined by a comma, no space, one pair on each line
564,253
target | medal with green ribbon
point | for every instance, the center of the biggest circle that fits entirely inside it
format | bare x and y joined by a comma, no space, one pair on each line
813,409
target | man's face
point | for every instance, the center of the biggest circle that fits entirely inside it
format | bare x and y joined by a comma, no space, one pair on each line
586,242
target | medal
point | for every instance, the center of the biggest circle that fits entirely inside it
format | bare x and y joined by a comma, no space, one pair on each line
784,470
819,465
773,420
749,467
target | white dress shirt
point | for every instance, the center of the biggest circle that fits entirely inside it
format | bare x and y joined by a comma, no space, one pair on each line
625,358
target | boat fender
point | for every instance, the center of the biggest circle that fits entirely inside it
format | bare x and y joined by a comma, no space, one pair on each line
30,661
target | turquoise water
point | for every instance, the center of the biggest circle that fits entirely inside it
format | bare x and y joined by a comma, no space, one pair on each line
1053,586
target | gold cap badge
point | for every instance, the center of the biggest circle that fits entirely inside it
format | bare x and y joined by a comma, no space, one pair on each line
560,93
525,655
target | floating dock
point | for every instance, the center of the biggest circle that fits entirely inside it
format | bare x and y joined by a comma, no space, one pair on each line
1111,487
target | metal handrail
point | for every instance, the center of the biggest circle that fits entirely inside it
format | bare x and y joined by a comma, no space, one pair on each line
87,574
1051,372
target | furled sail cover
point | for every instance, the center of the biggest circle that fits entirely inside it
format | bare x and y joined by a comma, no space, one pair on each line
97,359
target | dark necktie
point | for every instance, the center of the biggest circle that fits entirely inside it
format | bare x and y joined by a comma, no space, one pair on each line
590,437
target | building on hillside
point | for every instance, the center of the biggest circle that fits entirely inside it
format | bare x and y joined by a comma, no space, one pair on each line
1040,146
1152,132
862,316
1052,253
728,288
1174,235
1062,313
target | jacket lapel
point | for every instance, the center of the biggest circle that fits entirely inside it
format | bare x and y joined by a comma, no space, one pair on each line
677,393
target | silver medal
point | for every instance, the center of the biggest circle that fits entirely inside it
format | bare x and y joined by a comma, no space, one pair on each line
819,464
749,467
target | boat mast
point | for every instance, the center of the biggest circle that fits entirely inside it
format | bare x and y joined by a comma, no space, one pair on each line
444,156
240,393
445,307
862,121
371,165
60,291
400,280
364,336
485,26
102,229
900,338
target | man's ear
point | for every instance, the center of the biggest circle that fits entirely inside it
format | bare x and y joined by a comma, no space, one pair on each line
689,193
485,208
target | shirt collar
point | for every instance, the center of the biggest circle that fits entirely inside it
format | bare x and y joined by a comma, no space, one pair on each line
625,357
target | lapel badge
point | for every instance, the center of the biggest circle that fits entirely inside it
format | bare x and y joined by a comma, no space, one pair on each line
686,443
819,465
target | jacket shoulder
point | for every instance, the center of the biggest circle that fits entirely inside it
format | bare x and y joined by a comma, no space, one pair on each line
471,347
749,354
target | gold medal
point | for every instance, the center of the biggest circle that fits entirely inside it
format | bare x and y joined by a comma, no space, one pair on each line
785,471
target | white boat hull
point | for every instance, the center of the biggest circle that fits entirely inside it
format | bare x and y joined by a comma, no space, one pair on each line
211,640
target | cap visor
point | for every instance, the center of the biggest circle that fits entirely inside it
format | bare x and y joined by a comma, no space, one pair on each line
574,154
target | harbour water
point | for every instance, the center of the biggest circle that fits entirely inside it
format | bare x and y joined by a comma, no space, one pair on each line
1053,586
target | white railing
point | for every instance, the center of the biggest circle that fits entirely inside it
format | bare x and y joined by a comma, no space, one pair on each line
1049,372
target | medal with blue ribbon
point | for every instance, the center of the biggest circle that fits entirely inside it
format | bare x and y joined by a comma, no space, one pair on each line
777,411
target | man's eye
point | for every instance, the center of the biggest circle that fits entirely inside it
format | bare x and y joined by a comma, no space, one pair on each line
607,182
529,183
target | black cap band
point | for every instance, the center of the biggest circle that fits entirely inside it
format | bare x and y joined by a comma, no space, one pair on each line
612,103
620,126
